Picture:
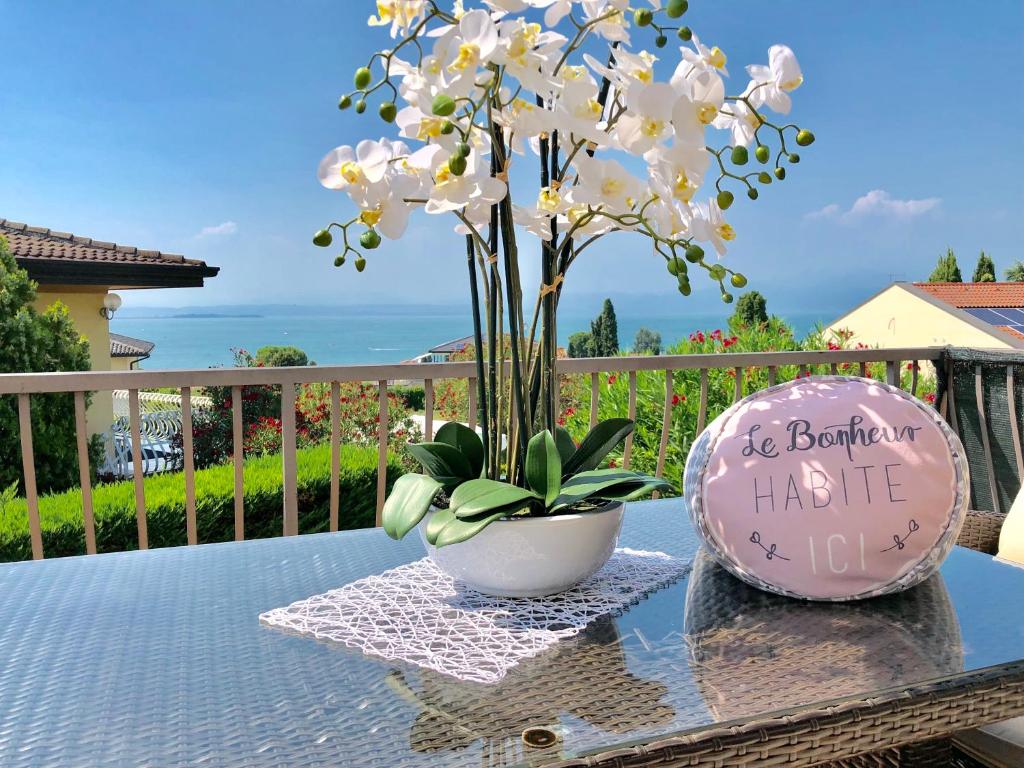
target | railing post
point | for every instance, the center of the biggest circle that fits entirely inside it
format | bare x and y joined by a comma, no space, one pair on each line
238,454
84,475
28,467
289,468
188,461
666,425
428,409
595,394
335,501
137,469
702,409
627,454
382,448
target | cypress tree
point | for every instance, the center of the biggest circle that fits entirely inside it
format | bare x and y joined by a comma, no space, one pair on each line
946,270
985,272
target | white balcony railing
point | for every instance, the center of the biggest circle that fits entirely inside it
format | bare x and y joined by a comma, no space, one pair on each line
186,381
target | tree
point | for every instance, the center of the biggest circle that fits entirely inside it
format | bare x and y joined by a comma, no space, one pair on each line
581,344
1015,274
985,272
32,342
274,357
647,342
605,332
751,310
946,270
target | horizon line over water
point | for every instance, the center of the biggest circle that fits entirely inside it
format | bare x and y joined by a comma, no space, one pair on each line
203,337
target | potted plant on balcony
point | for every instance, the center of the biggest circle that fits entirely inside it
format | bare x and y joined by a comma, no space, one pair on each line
520,88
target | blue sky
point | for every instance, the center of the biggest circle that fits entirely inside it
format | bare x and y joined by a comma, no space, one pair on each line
196,126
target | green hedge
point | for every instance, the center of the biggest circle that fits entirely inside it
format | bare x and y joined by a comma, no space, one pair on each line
114,505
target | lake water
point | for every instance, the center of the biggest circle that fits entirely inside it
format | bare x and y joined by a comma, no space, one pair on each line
365,334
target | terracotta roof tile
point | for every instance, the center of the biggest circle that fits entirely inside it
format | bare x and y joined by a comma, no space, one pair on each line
40,243
963,295
1010,330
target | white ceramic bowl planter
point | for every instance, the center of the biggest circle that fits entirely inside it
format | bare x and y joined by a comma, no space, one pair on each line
531,556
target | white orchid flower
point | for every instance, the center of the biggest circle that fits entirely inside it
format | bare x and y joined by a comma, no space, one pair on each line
556,10
400,14
343,167
741,121
677,172
476,40
773,84
525,120
451,192
604,183
528,53
613,26
702,97
627,67
704,59
648,117
384,207
709,226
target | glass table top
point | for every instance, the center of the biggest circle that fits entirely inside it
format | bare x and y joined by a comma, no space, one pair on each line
157,658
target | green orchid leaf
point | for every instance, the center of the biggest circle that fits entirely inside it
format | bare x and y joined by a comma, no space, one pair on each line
648,486
544,466
443,463
480,496
409,501
437,521
566,445
460,529
596,445
466,441
600,483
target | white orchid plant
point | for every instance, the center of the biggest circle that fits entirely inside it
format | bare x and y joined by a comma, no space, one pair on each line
564,91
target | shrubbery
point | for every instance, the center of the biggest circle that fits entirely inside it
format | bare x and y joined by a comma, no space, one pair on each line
772,336
261,418
31,342
114,505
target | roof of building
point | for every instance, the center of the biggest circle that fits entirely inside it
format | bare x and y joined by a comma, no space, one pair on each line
61,258
963,295
455,345
1004,321
126,346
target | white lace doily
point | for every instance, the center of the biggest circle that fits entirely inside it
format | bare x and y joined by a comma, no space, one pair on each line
414,613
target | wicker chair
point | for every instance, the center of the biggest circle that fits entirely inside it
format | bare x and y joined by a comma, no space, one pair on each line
981,395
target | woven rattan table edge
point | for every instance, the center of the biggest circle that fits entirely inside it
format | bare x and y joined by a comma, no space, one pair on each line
837,732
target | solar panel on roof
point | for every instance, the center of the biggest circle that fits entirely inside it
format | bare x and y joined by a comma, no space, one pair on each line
987,315
1013,315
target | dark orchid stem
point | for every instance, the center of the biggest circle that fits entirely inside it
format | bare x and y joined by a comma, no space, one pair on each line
494,470
478,340
515,320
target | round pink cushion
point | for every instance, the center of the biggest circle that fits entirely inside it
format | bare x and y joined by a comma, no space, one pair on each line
828,488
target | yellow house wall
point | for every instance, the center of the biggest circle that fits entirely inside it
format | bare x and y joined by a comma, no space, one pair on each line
897,318
84,308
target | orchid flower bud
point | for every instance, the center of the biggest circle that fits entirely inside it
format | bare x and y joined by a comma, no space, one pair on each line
443,105
369,240
362,78
676,8
388,111
322,238
805,138
738,280
725,199
762,154
360,264
780,173
739,155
